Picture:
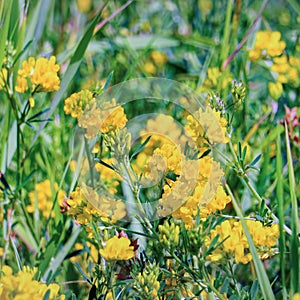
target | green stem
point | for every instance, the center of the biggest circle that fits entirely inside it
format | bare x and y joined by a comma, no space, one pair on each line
279,194
225,44
246,181
196,276
128,174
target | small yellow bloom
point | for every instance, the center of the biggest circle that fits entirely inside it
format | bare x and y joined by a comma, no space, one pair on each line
267,43
296,296
159,58
31,102
3,78
23,286
38,75
275,90
43,193
117,249
84,6
150,68
77,103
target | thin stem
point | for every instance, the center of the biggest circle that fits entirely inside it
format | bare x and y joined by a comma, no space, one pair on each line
225,44
243,41
246,181
196,276
102,23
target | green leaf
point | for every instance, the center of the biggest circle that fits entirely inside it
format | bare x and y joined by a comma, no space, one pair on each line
71,71
5,9
16,254
35,29
140,148
47,295
212,245
255,160
294,239
279,197
58,259
81,272
262,277
108,81
254,290
225,286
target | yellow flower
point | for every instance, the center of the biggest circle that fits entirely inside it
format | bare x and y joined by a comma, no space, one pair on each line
84,203
146,283
77,103
109,177
108,118
211,127
149,67
275,90
22,286
159,58
214,75
287,70
267,43
236,243
296,296
3,78
31,102
40,74
84,6
109,296
168,234
117,249
44,196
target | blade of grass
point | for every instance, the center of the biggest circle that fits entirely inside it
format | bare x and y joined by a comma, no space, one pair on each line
5,8
244,40
279,196
74,64
57,261
35,29
226,32
70,72
295,5
262,277
18,259
294,253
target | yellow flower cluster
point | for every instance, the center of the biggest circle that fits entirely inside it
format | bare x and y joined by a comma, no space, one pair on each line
275,89
91,255
208,196
84,203
117,248
109,177
22,286
77,103
165,159
162,129
287,69
38,75
158,59
43,197
236,243
207,127
146,282
168,234
104,119
267,43
214,75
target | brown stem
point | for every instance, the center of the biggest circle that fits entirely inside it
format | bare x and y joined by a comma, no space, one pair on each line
243,41
102,23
